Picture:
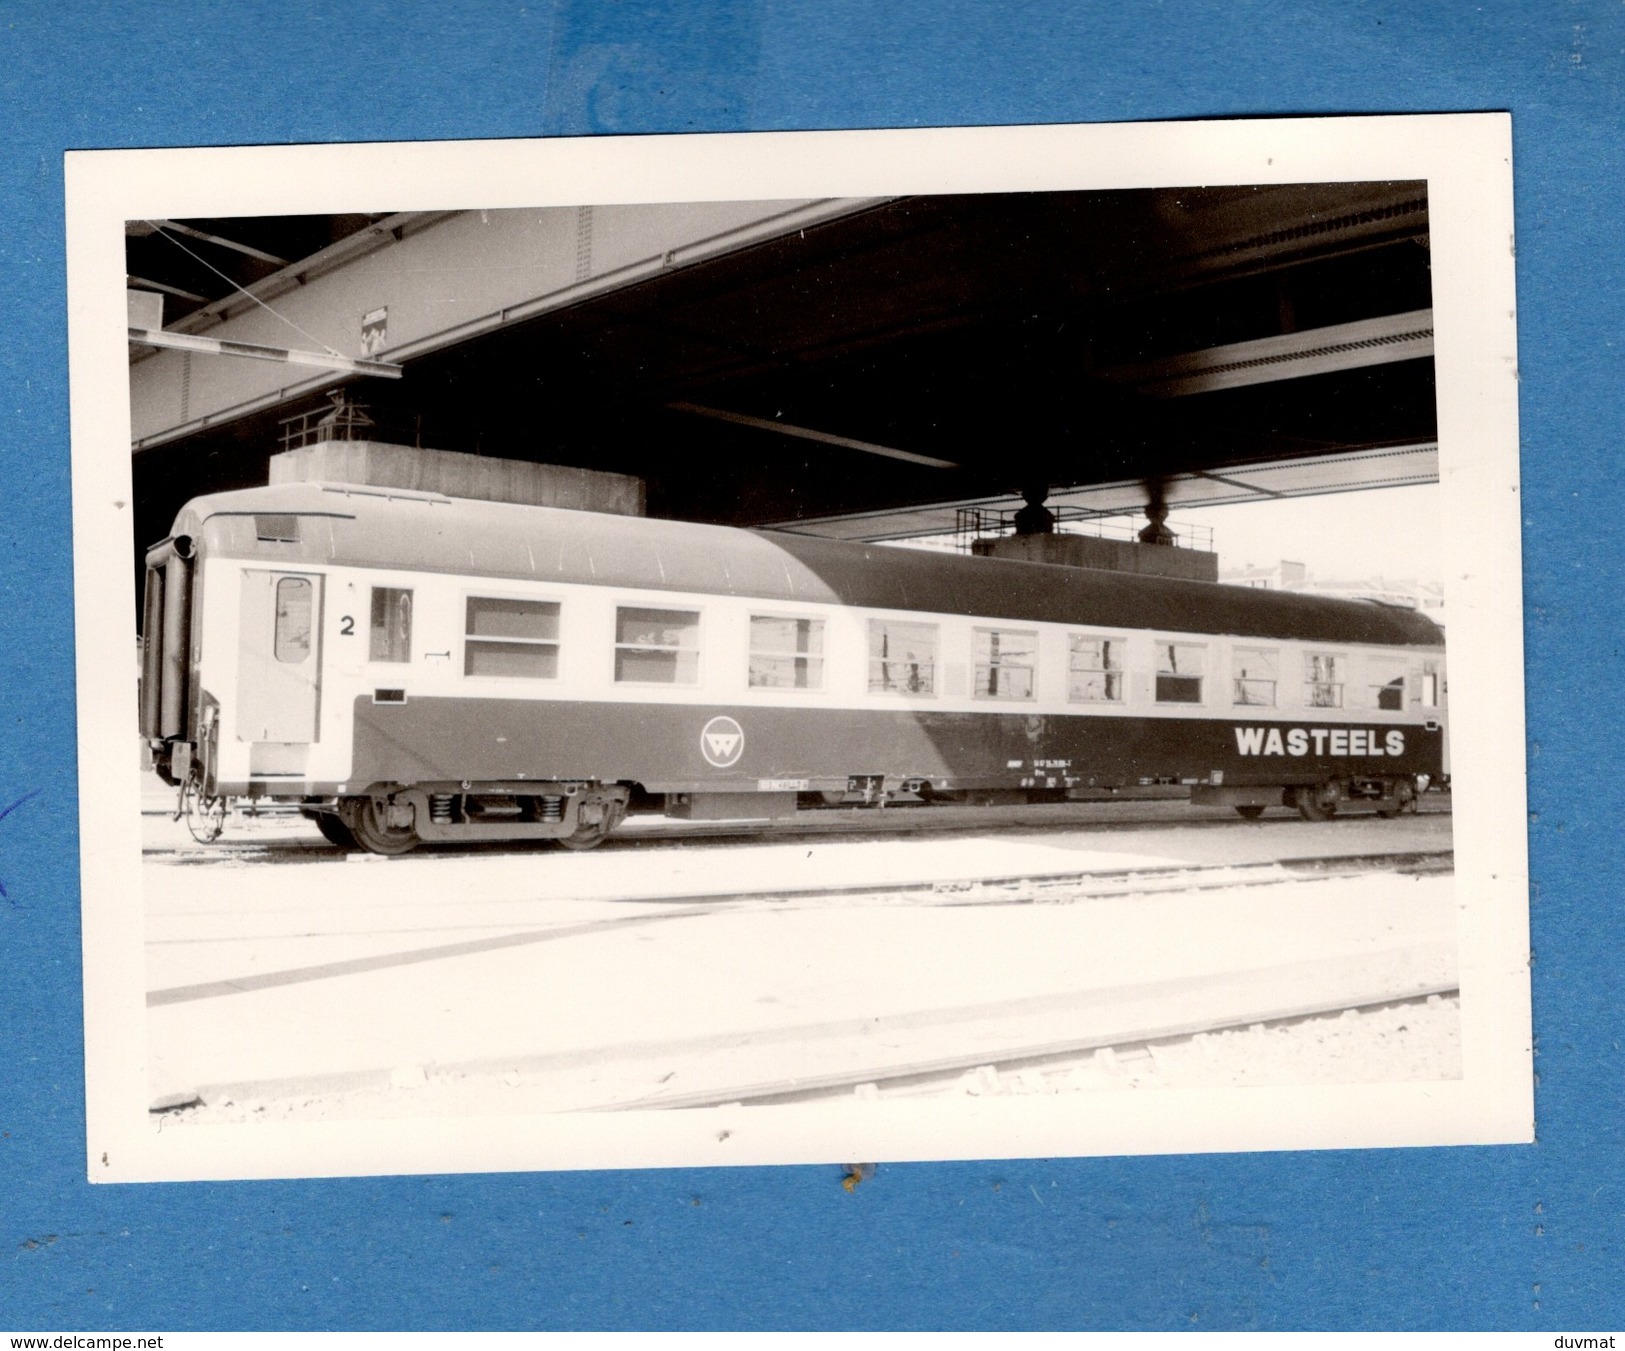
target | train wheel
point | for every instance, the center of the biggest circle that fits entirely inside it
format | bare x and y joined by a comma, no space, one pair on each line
591,834
1317,802
1249,811
585,837
381,831
334,831
1403,799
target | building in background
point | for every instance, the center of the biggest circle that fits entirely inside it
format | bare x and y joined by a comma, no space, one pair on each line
1411,594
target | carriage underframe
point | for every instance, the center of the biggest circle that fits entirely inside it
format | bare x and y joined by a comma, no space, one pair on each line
461,781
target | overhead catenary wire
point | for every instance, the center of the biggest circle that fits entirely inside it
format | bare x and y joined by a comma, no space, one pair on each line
158,228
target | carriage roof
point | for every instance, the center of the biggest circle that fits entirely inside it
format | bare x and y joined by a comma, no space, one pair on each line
354,526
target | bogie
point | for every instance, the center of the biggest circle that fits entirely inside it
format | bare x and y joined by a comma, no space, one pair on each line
1318,802
381,825
395,821
1400,797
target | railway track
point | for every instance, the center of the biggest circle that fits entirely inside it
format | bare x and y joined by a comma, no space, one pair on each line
264,845
1053,1057
1038,888
1073,887
1039,1020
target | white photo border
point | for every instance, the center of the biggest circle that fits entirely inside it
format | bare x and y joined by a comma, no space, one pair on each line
1465,160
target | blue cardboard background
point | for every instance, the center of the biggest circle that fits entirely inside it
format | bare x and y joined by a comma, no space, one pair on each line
1507,1238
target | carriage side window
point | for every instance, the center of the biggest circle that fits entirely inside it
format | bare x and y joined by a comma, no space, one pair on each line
504,637
1179,672
1004,663
657,647
1094,670
1386,678
391,624
1323,679
902,657
785,653
1254,672
294,603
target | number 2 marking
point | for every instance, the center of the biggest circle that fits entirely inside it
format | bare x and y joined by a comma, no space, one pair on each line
347,625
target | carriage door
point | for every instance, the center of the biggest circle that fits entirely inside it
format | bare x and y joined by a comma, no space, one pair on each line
279,657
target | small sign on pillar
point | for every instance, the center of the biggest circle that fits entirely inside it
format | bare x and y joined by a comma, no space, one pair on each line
374,331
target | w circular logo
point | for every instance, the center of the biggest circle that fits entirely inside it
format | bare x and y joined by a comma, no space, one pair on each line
722,742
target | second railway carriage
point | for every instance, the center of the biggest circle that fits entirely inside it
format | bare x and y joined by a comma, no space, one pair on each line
407,667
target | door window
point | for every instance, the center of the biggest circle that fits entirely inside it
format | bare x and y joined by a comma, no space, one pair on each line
293,616
391,624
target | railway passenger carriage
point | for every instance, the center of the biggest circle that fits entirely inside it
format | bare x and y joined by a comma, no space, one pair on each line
407,667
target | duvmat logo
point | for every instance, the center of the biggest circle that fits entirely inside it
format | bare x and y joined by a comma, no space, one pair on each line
1319,741
722,742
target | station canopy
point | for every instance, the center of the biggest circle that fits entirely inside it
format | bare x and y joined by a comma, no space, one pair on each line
873,368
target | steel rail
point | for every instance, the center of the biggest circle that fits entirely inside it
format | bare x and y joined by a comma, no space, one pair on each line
950,1068
900,822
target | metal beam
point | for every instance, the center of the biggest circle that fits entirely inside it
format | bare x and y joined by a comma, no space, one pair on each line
331,361
232,244
809,434
1287,356
1235,483
144,283
540,282
1311,476
369,239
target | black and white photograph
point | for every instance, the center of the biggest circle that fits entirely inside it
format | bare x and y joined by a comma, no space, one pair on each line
833,647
